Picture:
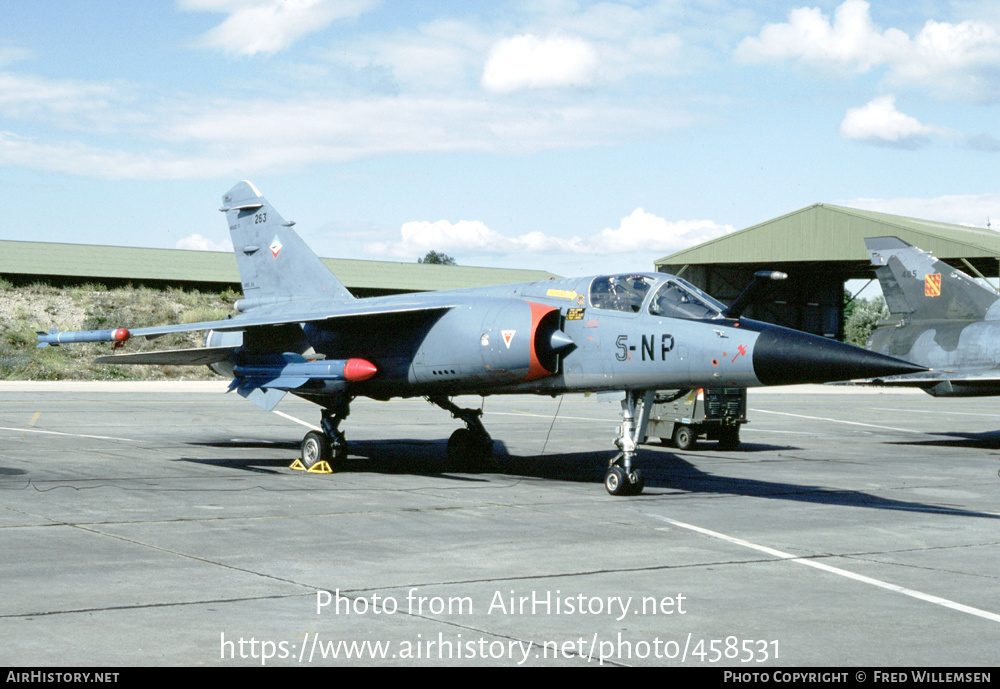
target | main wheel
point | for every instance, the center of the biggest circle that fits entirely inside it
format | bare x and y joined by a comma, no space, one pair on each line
729,438
684,437
459,445
616,481
315,449
467,452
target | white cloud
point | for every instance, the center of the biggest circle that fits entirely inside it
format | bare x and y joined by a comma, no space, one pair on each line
529,62
269,26
983,142
642,231
881,122
90,161
196,242
187,136
851,41
12,53
960,209
468,236
956,61
638,233
428,99
67,103
959,61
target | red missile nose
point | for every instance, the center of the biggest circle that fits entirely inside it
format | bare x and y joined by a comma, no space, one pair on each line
121,335
357,370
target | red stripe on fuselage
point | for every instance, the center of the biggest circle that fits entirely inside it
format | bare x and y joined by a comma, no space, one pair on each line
538,312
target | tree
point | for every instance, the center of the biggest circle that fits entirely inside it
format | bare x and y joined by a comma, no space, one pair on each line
865,314
436,258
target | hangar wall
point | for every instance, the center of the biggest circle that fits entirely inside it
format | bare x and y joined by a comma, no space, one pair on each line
63,264
811,299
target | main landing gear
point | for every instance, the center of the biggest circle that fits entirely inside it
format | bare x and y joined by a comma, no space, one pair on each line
621,478
326,451
470,447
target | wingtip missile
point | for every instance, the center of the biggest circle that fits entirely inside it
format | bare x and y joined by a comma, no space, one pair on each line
55,338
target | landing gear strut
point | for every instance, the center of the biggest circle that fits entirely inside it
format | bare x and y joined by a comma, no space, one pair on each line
330,446
469,445
621,478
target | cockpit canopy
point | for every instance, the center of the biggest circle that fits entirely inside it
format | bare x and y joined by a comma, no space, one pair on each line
672,297
620,292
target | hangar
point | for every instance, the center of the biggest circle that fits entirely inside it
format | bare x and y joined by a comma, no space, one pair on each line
821,247
62,264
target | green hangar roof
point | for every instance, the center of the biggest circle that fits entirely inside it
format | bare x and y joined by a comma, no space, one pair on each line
823,233
27,261
820,248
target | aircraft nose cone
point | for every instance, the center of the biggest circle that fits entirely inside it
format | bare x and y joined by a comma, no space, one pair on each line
788,357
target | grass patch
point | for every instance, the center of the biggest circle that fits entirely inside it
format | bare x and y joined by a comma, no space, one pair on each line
25,310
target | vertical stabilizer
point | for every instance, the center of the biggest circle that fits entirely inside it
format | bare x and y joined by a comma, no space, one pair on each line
274,263
920,287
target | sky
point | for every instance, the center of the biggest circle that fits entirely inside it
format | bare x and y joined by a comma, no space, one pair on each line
573,137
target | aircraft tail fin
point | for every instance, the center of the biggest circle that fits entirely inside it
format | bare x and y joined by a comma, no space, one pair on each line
275,264
920,287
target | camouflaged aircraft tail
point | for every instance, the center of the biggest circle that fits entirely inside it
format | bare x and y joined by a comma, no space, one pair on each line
918,286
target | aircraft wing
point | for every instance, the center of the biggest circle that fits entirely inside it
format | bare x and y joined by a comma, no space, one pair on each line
343,315
251,320
199,356
943,383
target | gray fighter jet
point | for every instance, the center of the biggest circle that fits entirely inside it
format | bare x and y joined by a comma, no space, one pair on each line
940,318
299,330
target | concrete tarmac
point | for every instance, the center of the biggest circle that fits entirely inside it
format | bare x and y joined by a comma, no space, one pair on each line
160,525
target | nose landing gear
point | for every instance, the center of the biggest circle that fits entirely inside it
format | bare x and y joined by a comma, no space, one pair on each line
621,478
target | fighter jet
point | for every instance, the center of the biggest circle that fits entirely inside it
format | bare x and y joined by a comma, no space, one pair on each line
940,318
299,330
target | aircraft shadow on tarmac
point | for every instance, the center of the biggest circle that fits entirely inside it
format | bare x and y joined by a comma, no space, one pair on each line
711,446
414,457
989,440
673,472
663,469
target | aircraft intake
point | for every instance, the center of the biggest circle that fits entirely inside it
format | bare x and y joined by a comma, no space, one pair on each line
782,356
497,340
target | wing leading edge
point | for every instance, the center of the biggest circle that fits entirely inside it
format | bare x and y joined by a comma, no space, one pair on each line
346,317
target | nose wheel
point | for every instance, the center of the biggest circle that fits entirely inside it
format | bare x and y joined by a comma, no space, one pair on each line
619,482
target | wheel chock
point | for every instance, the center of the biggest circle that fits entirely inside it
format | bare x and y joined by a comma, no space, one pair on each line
317,468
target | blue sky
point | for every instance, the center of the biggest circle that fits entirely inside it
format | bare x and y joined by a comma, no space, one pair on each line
576,137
